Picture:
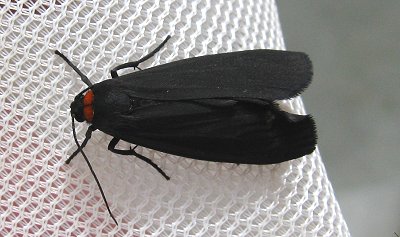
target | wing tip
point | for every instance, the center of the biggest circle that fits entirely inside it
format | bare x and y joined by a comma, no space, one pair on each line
302,68
303,138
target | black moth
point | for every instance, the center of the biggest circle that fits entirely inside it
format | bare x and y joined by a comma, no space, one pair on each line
216,108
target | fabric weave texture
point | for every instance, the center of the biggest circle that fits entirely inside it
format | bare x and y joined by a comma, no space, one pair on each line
42,196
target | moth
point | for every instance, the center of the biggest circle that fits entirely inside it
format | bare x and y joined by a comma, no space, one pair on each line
219,108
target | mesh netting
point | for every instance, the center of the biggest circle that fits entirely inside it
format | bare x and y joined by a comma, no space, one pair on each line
42,196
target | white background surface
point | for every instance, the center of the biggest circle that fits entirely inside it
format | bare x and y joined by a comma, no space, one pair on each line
43,196
355,96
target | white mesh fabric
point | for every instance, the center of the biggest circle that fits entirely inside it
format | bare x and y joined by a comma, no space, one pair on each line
42,196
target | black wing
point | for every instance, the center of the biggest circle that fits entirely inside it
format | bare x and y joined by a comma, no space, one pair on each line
260,74
171,107
214,130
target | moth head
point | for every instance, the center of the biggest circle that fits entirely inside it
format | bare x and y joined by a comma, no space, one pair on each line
82,106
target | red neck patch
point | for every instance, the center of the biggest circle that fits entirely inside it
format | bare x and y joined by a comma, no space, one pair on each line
88,106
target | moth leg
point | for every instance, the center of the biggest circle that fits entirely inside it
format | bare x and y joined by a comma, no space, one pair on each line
88,135
135,64
131,151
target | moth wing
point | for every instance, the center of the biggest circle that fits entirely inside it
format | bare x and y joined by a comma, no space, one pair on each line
259,74
217,130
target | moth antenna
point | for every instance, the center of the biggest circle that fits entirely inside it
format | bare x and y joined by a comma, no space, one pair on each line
84,78
91,170
87,137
